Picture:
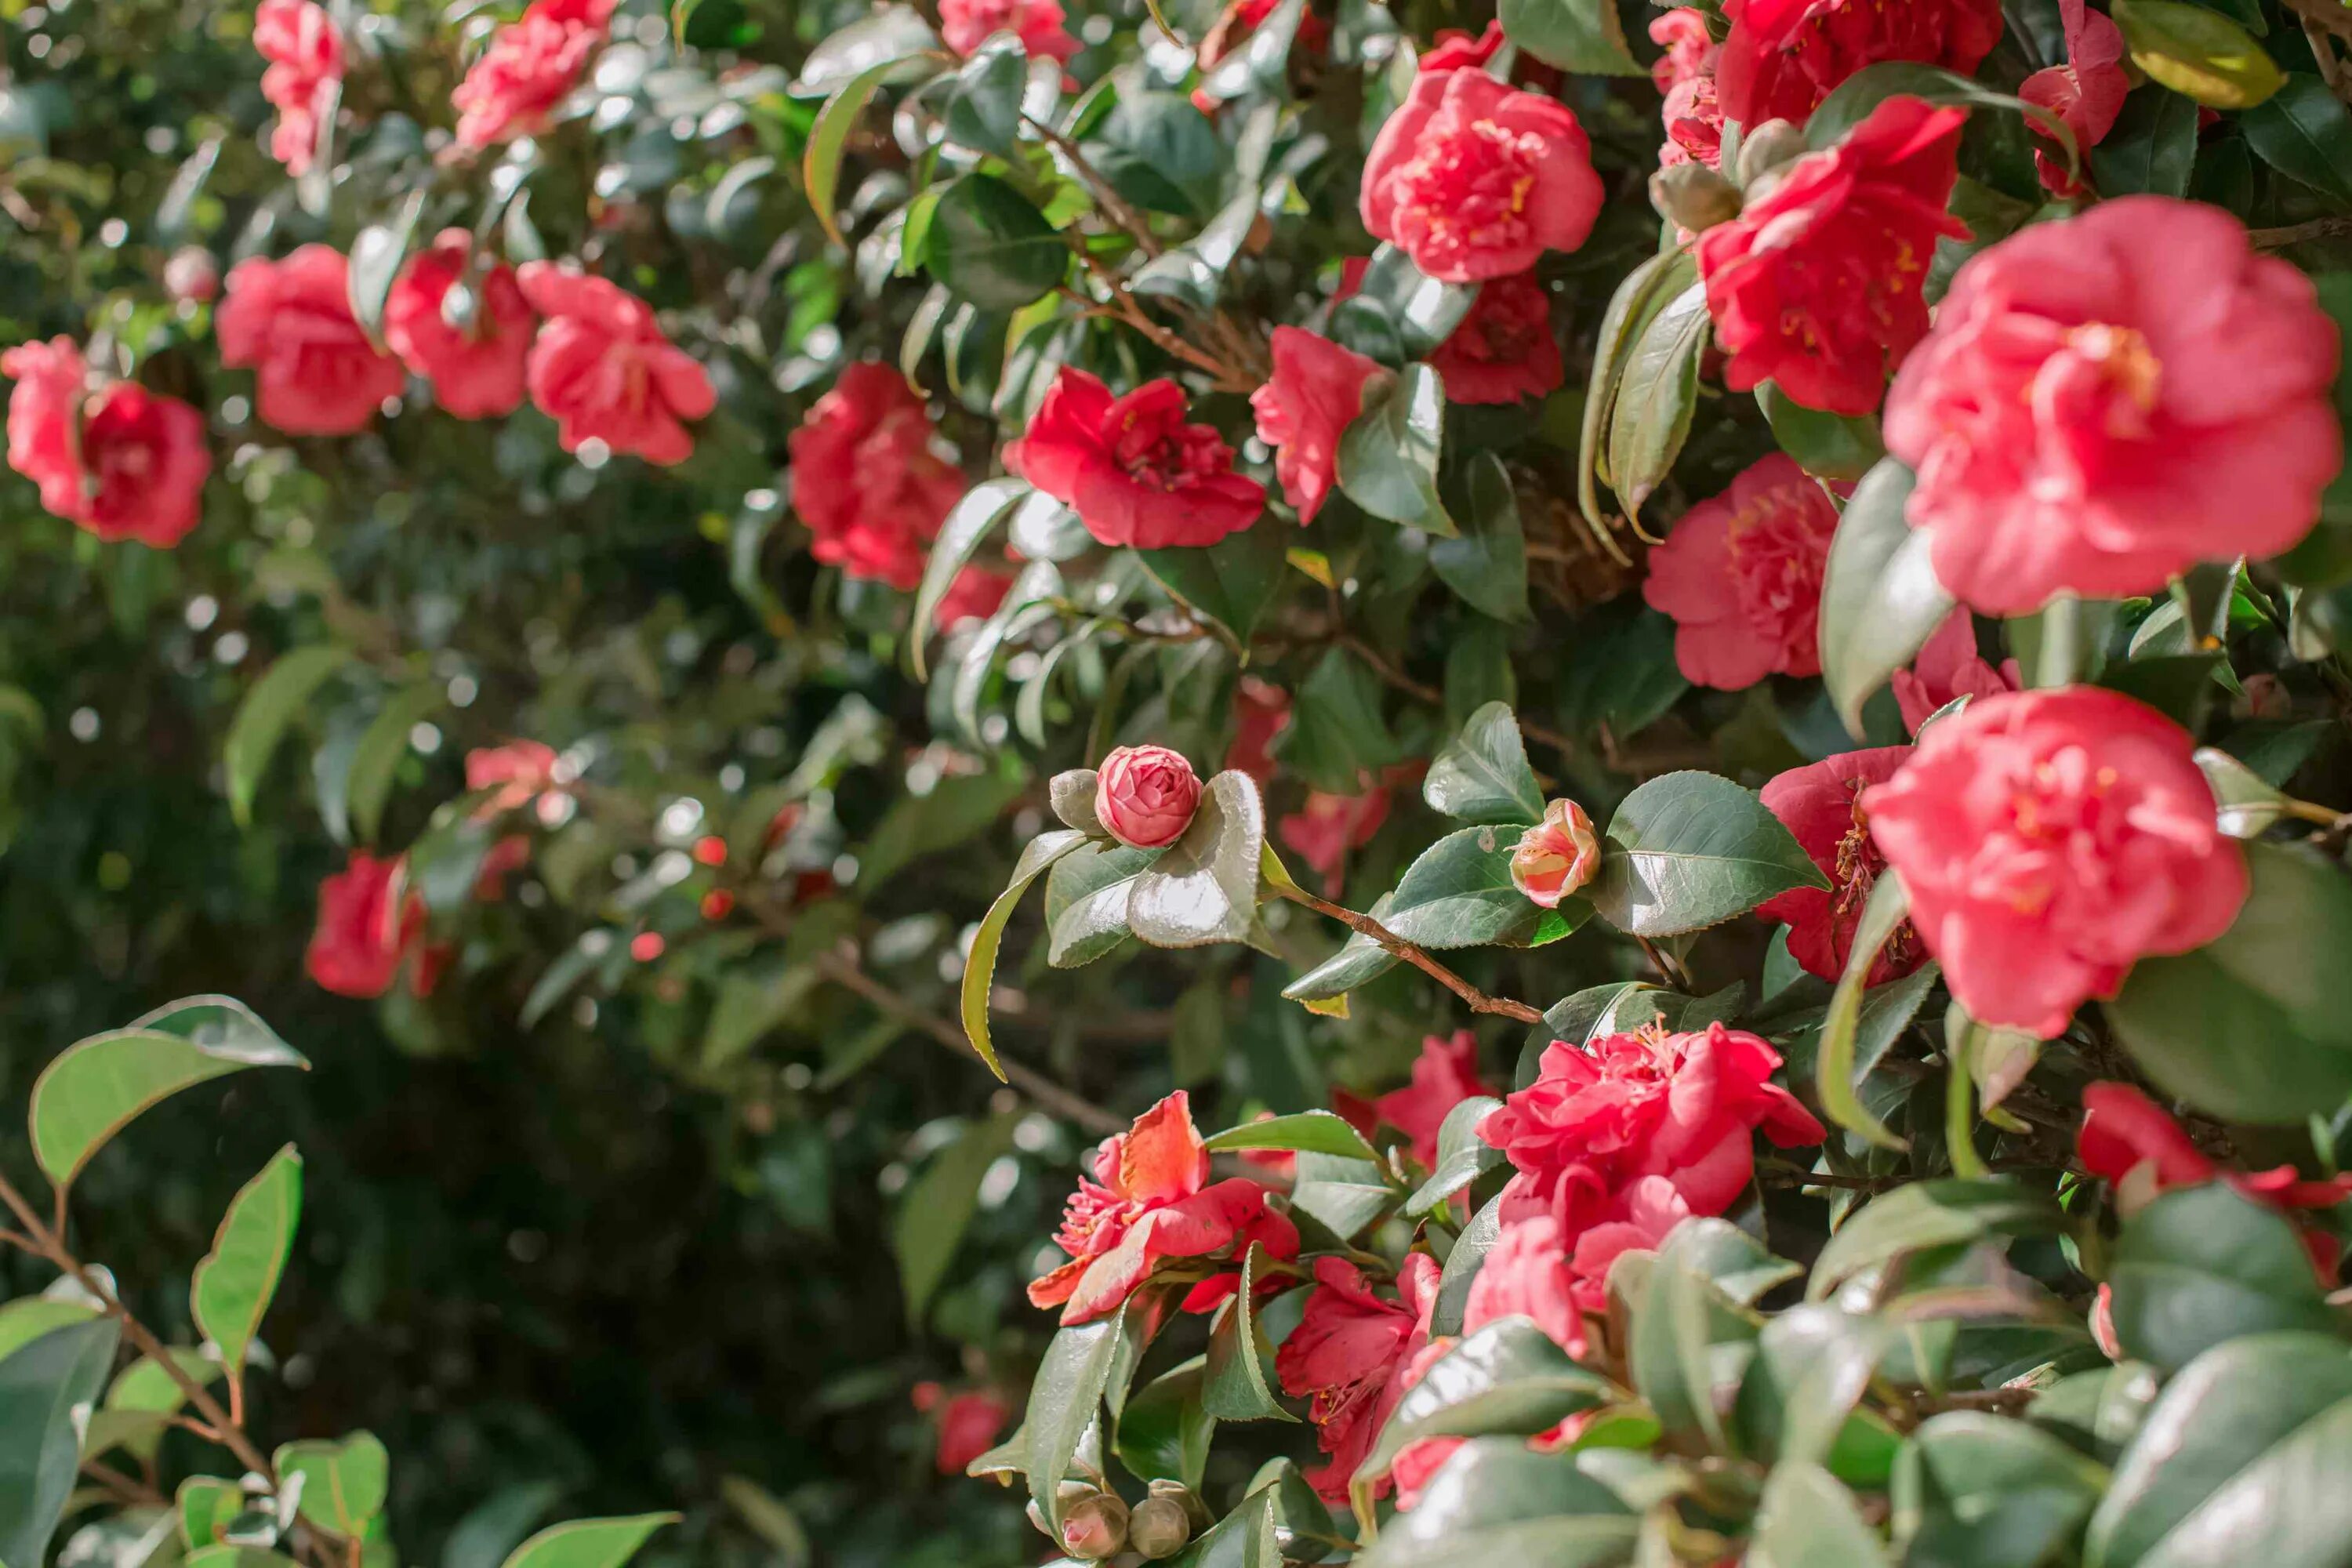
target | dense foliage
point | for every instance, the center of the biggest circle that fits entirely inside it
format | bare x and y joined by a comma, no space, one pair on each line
1646,706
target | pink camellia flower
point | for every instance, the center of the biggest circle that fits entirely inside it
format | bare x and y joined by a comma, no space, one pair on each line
121,462
1455,49
520,771
2126,1139
1149,1200
305,53
476,371
1505,349
1135,472
369,921
1327,827
967,24
1474,180
1444,1076
1690,48
2108,400
1741,575
1820,806
967,1422
1817,283
604,370
191,276
1599,1118
530,65
1145,795
1556,855
1947,669
1349,1357
1261,712
2049,839
2086,93
315,371
1316,391
1526,1274
974,595
1783,57
867,479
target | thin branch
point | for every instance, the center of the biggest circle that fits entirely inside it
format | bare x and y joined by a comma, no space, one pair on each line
1113,205
1390,675
124,1489
2317,229
1365,926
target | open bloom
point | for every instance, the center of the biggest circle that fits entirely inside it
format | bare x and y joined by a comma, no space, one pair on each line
477,370
1690,48
1741,575
315,371
1351,1356
1693,111
531,64
865,478
1444,1076
1556,855
519,770
2108,400
305,53
1474,179
370,920
1817,283
1326,826
604,370
966,24
1783,57
2086,93
122,462
2126,1139
2048,840
1820,806
967,1421
1261,712
1505,349
1145,795
1131,467
1149,1199
1316,391
1949,667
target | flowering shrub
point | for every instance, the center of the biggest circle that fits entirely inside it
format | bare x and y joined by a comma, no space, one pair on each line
1672,687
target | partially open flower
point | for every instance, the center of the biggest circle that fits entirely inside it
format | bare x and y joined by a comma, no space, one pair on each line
1556,855
1094,1530
1145,795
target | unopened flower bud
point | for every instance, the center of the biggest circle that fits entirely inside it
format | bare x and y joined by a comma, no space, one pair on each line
1693,196
1556,855
1145,795
1159,1527
1768,148
191,276
1073,797
1185,1498
1095,1530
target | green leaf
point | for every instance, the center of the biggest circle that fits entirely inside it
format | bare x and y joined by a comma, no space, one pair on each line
1238,1379
1388,454
1358,961
262,718
1508,1377
377,252
1880,599
1692,1331
1204,889
2201,1265
206,1504
2248,805
1401,311
1483,776
967,522
1497,1504
588,1542
1486,563
991,246
1086,901
2197,52
1062,1400
1582,35
1690,850
40,1385
983,107
980,966
1459,893
95,1087
1827,446
2276,976
2305,131
1164,1432
1833,1065
938,1208
1655,398
1262,62
1638,299
1345,1196
1462,1266
381,747
344,1483
1462,1155
895,32
1319,1131
1812,1362
1234,582
1975,1491
1926,1216
1337,734
1809,1519
29,1318
2240,1461
2152,149
1860,94
233,1286
829,136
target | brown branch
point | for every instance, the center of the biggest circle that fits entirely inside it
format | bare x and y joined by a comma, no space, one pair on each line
124,1489
1113,205
2317,229
1365,926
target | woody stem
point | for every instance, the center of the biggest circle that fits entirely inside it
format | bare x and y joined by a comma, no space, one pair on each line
1365,926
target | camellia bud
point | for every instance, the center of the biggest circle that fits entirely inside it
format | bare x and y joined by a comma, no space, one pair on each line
1767,149
1693,196
1188,1500
1556,855
1145,795
1094,1530
191,276
1159,1527
1073,796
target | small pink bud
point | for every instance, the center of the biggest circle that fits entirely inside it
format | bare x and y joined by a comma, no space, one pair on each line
1556,855
192,275
1145,795
1095,1530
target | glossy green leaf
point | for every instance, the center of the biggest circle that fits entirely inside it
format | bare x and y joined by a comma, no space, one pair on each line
1656,396
1925,1215
262,718
1336,733
1860,94
967,522
1880,599
377,252
1690,850
894,32
234,1284
1462,1155
1833,1065
1387,455
991,246
1809,1519
1238,1379
1827,446
1459,893
983,107
2202,1265
1482,774
1582,35
1319,1131
1693,1332
2152,149
1508,1377
1977,1490
588,1542
206,1504
1486,563
2247,805
980,964
40,1385
1812,1362
2305,131
1462,1265
1234,582
343,1482
1164,1431
1062,1402
1204,889
1495,1502
2197,52
1086,901
1637,301
938,1208
1345,1196
1359,961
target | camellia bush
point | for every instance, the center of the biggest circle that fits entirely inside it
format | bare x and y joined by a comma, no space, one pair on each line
1646,706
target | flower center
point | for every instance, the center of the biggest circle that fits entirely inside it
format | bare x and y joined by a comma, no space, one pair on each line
1167,456
1468,190
1776,563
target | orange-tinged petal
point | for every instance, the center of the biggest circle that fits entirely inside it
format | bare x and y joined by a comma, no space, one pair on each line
1162,1161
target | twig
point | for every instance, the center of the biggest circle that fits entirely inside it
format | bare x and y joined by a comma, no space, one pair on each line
2317,229
123,1488
1113,205
1390,675
1669,969
1365,926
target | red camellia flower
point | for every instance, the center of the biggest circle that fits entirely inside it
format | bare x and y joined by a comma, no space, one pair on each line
604,370
974,595
1741,575
2087,92
1690,48
1149,1200
369,921
2048,840
1474,179
967,1422
1455,49
1820,806
1686,74
122,462
1350,1358
2125,1133
1817,284
1648,1103
967,24
1444,1076
1317,391
1949,667
867,479
305,53
2108,400
1528,1274
520,771
1556,855
1261,712
1131,467
1783,57
531,64
476,371
316,373
1505,349
1145,795
1327,827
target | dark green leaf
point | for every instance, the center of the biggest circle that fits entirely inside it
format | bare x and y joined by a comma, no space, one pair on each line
1337,735
1977,1490
980,963
1234,582
2202,1265
1462,1155
1483,776
1880,599
1062,1402
1495,1502
1238,1378
1508,1377
2305,131
1812,1362
1927,1216
938,1208
1582,35
1459,893
1637,301
1204,889
991,246
1387,455
262,718
1086,901
1358,961
1690,850
40,1385
1841,1039
1809,1519
382,746
967,522
2152,149
1164,1432
1486,563
1655,398
377,252
1827,446
983,107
